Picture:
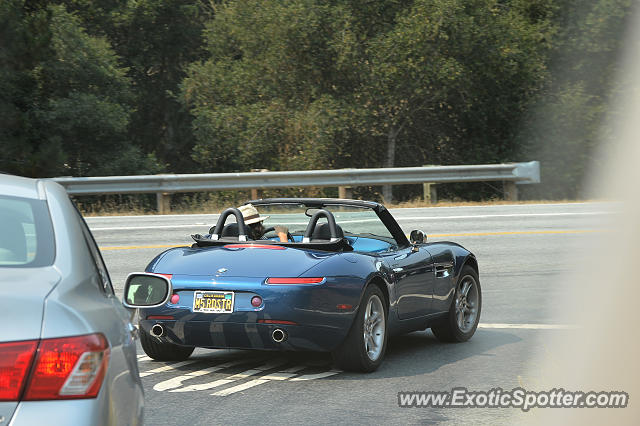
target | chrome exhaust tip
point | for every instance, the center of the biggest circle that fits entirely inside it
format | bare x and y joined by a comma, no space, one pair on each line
279,335
157,330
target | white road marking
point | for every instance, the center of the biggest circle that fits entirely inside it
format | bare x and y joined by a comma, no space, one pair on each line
280,375
317,375
220,382
176,382
168,367
530,326
139,228
158,216
497,206
489,216
243,375
214,216
143,358
398,218
240,388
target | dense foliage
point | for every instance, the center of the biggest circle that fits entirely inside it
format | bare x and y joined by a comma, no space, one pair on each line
99,87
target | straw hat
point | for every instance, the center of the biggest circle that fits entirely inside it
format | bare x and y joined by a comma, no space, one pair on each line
250,214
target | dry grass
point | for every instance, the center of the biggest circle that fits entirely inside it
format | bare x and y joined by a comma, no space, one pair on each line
457,203
97,209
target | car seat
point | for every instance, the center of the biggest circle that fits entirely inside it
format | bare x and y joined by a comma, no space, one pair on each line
322,232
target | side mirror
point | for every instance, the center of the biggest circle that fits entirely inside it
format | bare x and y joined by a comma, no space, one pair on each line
417,237
144,290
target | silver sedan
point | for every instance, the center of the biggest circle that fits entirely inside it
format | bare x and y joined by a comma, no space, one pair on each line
67,345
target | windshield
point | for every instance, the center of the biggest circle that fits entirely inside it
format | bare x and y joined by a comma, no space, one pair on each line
26,234
354,221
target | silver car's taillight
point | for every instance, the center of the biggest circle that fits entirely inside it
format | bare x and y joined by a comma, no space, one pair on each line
61,368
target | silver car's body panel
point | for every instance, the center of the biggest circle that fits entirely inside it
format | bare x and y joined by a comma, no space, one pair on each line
70,297
22,291
16,186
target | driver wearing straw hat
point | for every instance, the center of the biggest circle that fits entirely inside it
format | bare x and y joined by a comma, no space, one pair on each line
255,228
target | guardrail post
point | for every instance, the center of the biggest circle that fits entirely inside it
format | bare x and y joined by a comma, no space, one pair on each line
255,192
163,200
430,193
345,192
510,190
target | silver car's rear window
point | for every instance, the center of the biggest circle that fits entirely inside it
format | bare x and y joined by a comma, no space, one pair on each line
26,234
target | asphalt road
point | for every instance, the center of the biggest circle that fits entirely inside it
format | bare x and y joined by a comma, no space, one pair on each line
524,251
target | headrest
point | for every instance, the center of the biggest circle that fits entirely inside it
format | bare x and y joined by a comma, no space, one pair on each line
322,232
230,230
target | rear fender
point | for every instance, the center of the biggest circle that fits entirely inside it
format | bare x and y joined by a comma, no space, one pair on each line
380,280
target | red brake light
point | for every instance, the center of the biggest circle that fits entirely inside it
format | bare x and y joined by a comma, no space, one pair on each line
15,360
161,317
294,280
167,276
68,367
254,246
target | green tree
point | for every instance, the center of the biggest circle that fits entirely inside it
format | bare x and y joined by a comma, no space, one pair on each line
74,109
156,40
24,40
270,94
340,84
455,76
568,120
91,87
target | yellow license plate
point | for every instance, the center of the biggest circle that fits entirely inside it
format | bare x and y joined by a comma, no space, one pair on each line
213,302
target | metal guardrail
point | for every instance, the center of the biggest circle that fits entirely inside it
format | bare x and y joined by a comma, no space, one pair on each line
510,174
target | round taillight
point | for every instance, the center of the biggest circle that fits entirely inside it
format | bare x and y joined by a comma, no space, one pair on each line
256,301
175,298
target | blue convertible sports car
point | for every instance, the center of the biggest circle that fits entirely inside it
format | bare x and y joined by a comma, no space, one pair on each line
346,279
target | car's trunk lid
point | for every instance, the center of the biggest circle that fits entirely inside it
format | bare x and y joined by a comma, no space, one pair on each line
238,261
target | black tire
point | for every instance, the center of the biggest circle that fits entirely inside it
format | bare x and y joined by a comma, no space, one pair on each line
449,329
163,351
352,354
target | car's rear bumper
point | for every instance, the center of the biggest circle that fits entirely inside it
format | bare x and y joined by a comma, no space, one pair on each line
210,334
95,411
